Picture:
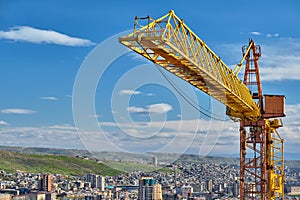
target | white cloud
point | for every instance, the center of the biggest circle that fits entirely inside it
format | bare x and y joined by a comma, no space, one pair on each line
17,111
159,108
215,137
50,98
3,123
281,60
185,126
133,109
150,94
134,92
272,35
175,136
268,35
38,36
291,128
61,127
221,137
291,72
95,116
255,33
56,136
129,92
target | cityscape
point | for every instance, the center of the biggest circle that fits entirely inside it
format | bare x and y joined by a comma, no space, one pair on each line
156,100
178,180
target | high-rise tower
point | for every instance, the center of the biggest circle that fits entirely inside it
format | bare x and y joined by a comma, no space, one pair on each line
46,182
149,189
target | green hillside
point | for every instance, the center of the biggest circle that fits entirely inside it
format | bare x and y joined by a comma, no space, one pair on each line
55,164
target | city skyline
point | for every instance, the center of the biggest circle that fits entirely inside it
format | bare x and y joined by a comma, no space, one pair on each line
44,53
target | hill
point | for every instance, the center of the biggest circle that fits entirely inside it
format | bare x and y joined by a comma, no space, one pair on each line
55,164
66,162
80,162
165,158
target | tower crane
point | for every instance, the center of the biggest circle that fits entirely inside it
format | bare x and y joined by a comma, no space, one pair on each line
171,44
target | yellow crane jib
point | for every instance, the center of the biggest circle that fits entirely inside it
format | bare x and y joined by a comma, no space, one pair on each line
171,44
239,66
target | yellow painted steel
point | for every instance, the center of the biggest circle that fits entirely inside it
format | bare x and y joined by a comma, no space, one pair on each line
239,66
275,160
170,43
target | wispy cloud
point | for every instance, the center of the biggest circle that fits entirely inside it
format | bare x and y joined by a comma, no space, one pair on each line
17,111
149,94
291,126
3,123
255,33
133,109
176,136
159,108
136,57
40,36
50,98
211,136
56,136
221,136
61,127
129,92
135,92
95,116
281,60
269,35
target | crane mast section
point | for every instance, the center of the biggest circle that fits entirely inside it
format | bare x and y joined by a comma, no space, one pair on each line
171,44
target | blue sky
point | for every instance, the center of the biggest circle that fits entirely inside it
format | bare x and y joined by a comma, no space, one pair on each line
45,45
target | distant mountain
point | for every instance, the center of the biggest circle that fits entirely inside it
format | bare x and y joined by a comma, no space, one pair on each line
123,156
124,161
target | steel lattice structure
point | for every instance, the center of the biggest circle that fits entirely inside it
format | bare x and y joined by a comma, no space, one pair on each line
171,44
